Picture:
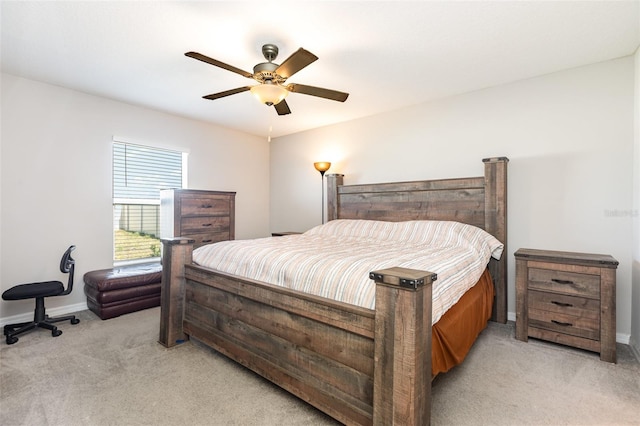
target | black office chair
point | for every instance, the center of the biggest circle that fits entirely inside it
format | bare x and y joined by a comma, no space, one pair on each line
39,291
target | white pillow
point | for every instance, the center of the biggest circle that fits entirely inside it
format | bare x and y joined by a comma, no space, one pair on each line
418,232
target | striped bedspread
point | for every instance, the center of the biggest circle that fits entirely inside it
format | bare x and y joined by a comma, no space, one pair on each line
334,260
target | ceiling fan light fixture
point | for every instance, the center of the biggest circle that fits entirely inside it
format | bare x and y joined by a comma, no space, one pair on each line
271,89
269,93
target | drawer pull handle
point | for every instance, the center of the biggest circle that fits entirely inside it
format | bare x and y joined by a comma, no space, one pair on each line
206,224
564,324
561,303
206,206
206,241
555,280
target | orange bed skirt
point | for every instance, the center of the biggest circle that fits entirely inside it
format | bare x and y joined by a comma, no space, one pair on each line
458,328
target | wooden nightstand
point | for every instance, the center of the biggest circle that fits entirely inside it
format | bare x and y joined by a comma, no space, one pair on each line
567,298
282,234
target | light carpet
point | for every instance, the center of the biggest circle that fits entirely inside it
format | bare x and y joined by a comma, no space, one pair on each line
115,373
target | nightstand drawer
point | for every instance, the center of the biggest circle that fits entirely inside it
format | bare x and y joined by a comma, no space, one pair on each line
571,283
562,304
588,328
576,316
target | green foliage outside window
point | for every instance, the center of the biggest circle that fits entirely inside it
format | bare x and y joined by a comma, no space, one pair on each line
135,245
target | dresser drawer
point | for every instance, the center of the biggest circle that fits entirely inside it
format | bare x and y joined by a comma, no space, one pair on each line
204,224
570,283
208,238
194,206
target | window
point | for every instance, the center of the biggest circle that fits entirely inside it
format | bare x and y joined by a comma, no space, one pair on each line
139,173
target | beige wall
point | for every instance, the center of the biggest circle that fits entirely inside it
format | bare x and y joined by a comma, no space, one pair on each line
569,137
56,178
635,316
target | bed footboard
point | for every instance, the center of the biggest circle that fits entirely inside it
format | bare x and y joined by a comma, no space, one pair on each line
357,365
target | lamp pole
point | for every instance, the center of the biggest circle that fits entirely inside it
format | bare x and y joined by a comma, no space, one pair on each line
322,184
322,167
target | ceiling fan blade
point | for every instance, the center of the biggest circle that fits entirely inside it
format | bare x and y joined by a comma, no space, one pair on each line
282,108
211,61
334,95
294,63
227,93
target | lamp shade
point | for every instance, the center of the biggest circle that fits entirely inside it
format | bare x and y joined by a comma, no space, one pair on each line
269,93
322,166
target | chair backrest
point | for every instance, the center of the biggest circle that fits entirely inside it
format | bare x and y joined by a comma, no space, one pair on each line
67,265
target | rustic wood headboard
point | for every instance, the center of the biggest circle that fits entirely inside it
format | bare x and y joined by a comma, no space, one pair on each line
479,201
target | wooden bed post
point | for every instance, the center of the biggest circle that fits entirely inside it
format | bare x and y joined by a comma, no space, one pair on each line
402,375
176,252
333,181
495,198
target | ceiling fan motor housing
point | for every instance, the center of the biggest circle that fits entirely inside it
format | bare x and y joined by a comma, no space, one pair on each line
265,73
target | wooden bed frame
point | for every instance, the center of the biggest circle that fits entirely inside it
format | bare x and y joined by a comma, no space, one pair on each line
360,366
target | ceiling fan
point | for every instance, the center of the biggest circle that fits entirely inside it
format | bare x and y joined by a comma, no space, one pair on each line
271,77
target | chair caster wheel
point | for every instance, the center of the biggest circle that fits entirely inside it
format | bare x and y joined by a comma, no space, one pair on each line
75,321
11,340
56,333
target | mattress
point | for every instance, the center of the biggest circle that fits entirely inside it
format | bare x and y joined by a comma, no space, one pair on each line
334,260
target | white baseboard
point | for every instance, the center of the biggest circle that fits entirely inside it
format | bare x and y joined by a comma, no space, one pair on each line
623,338
620,337
53,312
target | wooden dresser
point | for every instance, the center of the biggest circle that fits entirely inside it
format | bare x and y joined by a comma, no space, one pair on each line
205,216
567,298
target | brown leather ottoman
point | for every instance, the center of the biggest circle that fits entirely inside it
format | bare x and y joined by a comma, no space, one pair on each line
123,289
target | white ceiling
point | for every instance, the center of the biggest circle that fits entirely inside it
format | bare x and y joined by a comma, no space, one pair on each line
386,54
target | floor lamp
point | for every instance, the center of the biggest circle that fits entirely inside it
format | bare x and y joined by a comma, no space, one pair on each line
322,167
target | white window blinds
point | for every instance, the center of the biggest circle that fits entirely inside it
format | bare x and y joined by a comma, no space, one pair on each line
140,172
